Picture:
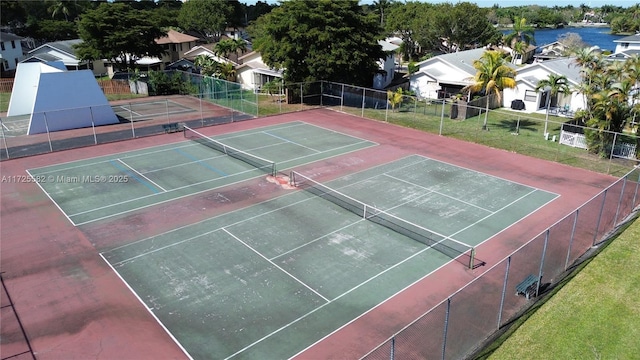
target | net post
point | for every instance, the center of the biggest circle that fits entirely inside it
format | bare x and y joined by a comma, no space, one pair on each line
472,257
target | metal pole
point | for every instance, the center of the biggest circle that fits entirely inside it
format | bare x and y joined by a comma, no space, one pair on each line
201,114
595,235
446,328
24,334
386,112
392,355
166,106
133,130
4,139
441,118
342,97
504,291
93,127
573,233
321,92
544,252
46,125
363,100
301,96
613,146
633,202
624,185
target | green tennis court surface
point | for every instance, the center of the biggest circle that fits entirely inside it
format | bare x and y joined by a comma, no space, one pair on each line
267,281
102,187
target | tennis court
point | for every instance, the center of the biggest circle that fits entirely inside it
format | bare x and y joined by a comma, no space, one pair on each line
107,186
270,280
138,111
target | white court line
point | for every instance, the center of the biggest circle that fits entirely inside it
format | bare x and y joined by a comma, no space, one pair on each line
50,198
289,141
137,172
338,297
149,310
439,193
276,265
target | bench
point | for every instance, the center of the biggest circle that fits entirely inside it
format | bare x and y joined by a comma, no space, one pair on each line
528,286
170,128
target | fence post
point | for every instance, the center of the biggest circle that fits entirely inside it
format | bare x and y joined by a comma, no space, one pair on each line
301,96
133,130
363,99
46,124
4,138
613,146
504,291
321,91
392,355
604,199
446,328
342,97
201,113
544,252
166,107
624,185
442,117
93,126
573,233
386,111
633,203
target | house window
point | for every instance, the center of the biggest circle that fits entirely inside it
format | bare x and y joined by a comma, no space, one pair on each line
625,45
13,44
180,46
16,60
2,46
530,95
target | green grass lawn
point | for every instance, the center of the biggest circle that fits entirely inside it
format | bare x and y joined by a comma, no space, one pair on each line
593,316
4,101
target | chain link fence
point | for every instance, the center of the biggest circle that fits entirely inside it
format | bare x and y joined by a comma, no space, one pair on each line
458,326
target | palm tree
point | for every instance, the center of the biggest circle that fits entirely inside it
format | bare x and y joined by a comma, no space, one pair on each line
553,85
207,65
522,32
59,7
224,47
239,46
227,71
518,48
394,98
492,76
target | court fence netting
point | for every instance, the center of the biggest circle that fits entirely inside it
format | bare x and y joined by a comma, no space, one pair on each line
452,248
265,165
460,326
215,101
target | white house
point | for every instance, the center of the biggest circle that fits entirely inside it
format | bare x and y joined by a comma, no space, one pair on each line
527,79
627,43
252,73
445,75
10,51
207,50
64,51
387,66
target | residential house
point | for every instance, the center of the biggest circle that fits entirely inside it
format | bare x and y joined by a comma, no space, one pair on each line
445,75
252,73
387,66
521,58
64,51
175,44
10,52
527,80
207,50
551,51
627,43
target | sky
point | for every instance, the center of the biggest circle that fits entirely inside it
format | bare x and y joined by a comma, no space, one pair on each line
507,3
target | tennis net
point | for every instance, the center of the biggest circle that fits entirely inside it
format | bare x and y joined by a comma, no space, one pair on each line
265,165
452,248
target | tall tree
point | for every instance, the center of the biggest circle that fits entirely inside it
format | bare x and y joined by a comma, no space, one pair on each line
521,33
450,28
207,17
320,40
492,76
117,32
553,85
